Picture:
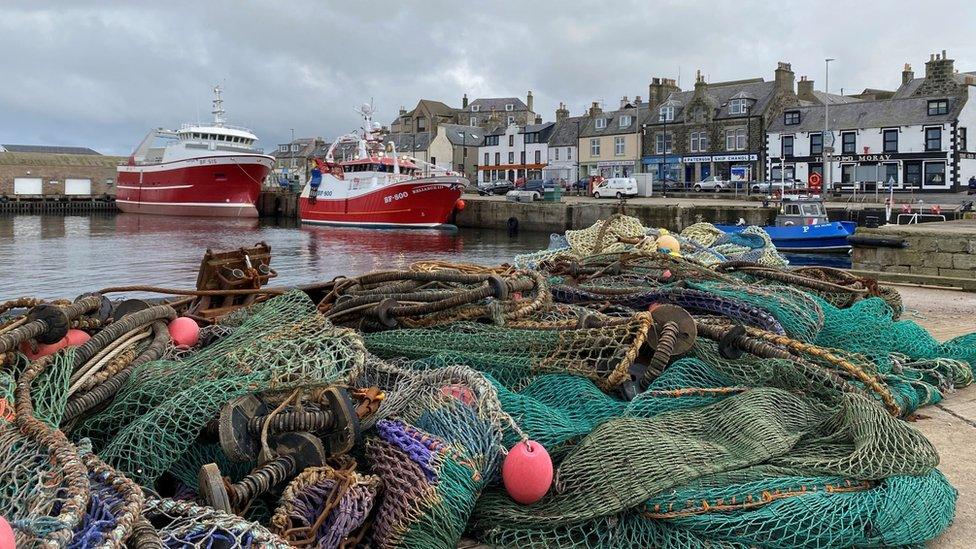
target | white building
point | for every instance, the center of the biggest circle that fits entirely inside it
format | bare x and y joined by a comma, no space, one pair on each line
514,152
563,156
917,137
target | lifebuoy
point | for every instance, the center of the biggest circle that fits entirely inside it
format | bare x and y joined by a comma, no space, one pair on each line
815,179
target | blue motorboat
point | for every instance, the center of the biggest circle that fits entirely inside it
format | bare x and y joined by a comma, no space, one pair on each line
802,226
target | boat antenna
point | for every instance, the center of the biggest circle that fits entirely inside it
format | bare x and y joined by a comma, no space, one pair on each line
218,107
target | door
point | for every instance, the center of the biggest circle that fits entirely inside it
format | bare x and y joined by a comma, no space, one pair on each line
28,186
77,187
689,172
706,171
913,174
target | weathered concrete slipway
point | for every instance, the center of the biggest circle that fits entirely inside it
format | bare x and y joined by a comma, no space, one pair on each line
490,213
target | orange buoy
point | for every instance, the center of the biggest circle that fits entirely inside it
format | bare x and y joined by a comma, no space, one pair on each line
669,243
7,540
184,332
77,337
460,205
527,472
43,349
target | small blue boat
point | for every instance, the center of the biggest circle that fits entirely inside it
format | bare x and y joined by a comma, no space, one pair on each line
802,226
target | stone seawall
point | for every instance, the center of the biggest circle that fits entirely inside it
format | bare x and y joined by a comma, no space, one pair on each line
558,216
934,253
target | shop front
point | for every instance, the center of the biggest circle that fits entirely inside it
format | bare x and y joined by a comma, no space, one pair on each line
920,171
664,167
612,168
727,166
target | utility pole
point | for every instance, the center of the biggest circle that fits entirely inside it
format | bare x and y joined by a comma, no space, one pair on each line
827,169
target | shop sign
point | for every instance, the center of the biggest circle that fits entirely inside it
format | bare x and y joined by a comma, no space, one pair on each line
734,157
613,163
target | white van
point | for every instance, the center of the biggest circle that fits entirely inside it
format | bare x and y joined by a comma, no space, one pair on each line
618,187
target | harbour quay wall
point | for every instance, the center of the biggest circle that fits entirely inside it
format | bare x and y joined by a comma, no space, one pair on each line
937,254
484,213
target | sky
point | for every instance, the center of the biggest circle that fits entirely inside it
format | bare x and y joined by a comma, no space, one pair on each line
102,74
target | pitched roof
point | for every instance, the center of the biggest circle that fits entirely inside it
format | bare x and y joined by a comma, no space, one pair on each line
718,95
473,135
868,114
566,132
908,89
496,103
612,127
47,149
405,142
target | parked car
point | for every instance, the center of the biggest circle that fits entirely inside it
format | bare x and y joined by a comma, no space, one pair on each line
538,187
616,186
668,184
772,186
499,186
713,183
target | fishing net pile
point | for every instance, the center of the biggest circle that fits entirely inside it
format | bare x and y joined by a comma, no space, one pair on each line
688,389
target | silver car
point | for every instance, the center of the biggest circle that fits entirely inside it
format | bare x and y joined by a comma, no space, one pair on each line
713,183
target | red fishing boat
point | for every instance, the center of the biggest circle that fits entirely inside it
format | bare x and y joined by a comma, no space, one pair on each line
200,169
378,187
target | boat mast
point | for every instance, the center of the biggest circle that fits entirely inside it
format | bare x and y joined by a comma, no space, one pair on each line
218,108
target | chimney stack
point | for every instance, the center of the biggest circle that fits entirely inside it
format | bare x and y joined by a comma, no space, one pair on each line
528,101
538,119
659,89
939,79
623,102
637,100
785,79
804,90
595,109
907,75
403,110
464,101
562,113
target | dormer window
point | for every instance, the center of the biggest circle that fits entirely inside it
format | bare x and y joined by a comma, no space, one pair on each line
509,107
938,106
625,120
600,123
737,106
791,118
475,108
666,114
698,114
282,148
294,148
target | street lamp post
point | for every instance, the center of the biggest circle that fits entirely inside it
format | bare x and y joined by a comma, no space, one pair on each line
827,168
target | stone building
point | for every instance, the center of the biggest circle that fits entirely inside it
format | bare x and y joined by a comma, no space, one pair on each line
32,171
716,129
916,137
494,112
292,159
610,142
425,117
563,154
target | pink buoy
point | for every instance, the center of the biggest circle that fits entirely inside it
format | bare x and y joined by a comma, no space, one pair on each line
527,472
77,337
43,349
184,332
7,540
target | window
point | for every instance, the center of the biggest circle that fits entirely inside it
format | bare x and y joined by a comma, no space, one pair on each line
511,158
475,108
491,140
938,106
473,121
737,106
890,141
933,140
699,141
625,120
282,148
498,158
422,124
618,145
600,123
791,118
816,143
787,146
735,140
698,114
962,139
848,142
662,143
511,120
569,153
594,147
913,174
666,113
555,153
522,157
294,148
538,157
847,173
486,159
890,173
935,173
509,107
511,140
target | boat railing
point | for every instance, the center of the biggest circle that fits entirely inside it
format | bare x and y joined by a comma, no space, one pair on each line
190,126
916,218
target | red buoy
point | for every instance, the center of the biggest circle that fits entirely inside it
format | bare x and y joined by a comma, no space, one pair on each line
77,337
42,349
184,332
7,540
460,205
527,472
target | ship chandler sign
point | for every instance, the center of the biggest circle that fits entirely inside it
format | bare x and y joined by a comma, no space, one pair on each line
719,158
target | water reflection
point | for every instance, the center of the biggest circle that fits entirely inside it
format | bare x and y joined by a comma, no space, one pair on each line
56,256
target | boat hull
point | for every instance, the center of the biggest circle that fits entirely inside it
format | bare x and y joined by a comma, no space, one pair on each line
823,238
419,204
217,186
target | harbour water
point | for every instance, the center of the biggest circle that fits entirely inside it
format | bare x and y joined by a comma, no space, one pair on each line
57,256
53,256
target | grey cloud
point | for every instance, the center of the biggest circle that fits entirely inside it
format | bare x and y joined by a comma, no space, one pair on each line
101,74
